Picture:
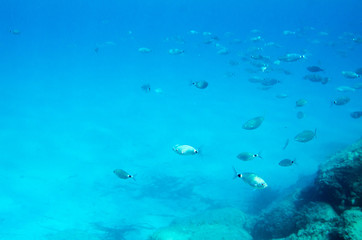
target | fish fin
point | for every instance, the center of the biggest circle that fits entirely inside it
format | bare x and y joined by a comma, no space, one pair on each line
259,154
235,173
295,161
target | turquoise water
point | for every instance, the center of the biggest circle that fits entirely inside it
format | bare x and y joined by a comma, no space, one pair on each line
70,115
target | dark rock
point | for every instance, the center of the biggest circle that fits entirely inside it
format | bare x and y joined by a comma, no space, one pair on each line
339,180
278,222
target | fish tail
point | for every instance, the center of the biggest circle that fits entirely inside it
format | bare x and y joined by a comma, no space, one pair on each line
235,173
259,154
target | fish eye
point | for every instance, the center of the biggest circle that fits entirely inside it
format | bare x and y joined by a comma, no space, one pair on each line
196,151
129,176
255,155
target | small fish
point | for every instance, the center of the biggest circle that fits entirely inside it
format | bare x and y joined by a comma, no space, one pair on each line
252,179
270,81
341,101
358,85
223,51
305,136
291,57
301,102
350,74
185,149
200,84
176,51
253,123
345,89
282,95
316,78
286,162
314,69
287,32
15,31
286,144
247,156
144,50
356,114
123,174
300,115
146,87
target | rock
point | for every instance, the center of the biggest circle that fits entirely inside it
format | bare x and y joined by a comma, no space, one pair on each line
314,212
339,180
278,222
352,224
218,224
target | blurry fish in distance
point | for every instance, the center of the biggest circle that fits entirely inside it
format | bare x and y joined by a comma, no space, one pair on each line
314,69
200,84
247,156
146,87
123,174
305,136
286,162
185,149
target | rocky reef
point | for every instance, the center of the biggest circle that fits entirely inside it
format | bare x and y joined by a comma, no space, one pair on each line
328,209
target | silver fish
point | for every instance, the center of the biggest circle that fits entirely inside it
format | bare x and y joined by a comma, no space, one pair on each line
286,162
252,179
247,156
341,101
305,136
200,84
122,174
253,123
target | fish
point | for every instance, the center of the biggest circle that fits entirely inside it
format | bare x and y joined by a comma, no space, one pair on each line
358,85
291,57
350,74
253,123
305,136
247,156
269,81
176,51
146,87
144,50
286,162
223,51
301,102
300,115
252,179
286,144
345,89
185,149
15,31
123,174
314,69
200,84
356,114
281,95
341,101
316,78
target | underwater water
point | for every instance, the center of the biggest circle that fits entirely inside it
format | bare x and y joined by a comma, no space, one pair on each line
73,109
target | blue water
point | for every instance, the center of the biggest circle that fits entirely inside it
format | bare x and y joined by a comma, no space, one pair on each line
71,115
